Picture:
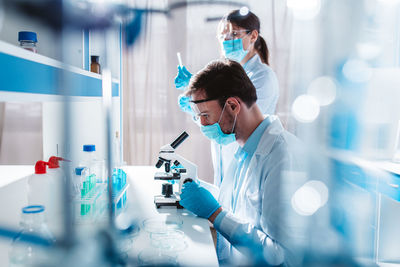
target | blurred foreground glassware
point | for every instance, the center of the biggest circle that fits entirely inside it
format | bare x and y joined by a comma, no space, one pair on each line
172,240
157,257
157,225
32,222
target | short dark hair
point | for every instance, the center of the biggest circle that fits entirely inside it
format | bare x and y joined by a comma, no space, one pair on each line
222,79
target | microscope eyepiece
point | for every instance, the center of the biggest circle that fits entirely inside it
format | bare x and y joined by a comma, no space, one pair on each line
179,140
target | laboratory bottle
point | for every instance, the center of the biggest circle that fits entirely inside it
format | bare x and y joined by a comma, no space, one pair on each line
32,222
90,160
77,181
57,175
28,40
39,185
95,65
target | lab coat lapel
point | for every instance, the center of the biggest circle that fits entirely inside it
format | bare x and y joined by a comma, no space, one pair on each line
268,138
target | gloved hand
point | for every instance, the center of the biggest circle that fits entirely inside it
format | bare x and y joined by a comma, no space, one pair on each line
182,78
184,103
198,200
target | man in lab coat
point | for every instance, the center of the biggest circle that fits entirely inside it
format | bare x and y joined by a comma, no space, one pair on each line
249,212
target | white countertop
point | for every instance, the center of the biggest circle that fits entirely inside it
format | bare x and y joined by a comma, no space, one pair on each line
12,173
200,249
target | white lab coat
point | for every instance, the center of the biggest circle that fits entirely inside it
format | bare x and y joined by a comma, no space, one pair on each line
267,89
258,222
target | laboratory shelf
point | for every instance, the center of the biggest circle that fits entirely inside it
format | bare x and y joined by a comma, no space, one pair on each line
372,176
31,73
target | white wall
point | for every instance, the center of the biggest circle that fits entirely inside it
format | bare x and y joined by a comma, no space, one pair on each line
87,127
21,137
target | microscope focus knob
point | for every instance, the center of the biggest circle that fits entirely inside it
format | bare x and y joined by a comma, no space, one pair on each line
167,190
167,166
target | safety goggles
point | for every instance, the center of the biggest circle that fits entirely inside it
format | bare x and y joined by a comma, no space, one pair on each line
196,112
232,35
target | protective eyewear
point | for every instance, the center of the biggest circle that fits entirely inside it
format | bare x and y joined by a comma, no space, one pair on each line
197,114
232,35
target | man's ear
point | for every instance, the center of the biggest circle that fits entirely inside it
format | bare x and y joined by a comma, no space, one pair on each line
233,104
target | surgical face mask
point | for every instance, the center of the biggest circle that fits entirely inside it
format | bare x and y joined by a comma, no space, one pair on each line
233,49
214,132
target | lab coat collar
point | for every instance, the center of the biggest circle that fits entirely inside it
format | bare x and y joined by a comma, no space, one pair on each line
252,142
255,60
269,136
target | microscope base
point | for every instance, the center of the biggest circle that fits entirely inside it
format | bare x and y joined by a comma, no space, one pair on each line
172,201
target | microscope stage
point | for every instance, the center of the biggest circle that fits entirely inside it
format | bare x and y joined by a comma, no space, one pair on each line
167,201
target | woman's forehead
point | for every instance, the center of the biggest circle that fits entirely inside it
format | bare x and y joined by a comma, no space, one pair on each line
227,26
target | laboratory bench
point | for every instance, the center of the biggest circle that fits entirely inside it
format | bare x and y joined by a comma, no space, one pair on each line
198,249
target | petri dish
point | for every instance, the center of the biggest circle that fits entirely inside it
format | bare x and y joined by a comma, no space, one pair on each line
172,240
154,257
156,225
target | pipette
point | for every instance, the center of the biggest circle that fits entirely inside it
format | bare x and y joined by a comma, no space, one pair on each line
179,59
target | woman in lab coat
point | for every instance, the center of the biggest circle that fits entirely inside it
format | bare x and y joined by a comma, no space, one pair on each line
240,40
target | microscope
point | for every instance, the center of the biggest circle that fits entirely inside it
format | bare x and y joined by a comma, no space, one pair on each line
182,170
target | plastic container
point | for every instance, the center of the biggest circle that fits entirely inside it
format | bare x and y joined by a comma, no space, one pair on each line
89,201
32,222
77,180
28,40
55,170
40,186
90,160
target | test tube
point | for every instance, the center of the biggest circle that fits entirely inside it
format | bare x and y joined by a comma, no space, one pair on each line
179,59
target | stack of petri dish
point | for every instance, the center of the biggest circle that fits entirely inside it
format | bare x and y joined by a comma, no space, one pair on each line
161,224
167,241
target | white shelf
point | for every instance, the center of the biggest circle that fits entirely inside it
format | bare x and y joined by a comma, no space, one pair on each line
24,72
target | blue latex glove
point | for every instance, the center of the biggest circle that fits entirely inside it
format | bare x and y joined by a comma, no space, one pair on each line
184,104
198,200
182,78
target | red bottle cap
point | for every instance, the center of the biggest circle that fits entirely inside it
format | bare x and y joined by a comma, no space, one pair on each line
40,167
54,162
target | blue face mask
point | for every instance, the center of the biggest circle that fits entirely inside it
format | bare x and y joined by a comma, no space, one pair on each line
214,132
233,49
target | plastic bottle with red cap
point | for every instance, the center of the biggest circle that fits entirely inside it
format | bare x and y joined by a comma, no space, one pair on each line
58,179
54,168
37,195
45,188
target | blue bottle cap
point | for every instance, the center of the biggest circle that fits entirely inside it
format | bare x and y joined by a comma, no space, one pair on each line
78,170
27,36
33,209
89,148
